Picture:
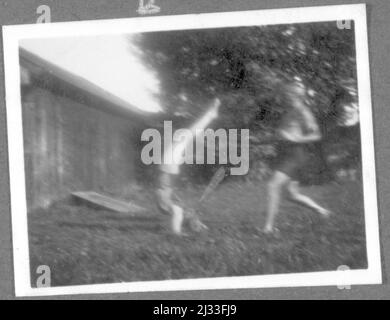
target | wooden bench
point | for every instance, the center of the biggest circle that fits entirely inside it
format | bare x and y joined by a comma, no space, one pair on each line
107,202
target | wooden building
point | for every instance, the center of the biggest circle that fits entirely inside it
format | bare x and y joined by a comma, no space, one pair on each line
77,137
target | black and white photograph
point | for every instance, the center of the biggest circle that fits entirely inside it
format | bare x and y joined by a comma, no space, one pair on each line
210,151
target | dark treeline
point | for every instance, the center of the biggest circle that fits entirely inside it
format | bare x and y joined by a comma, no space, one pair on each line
246,67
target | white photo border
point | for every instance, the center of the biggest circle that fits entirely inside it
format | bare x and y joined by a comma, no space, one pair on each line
11,37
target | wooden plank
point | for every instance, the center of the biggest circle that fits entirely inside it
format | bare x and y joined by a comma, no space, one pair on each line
107,202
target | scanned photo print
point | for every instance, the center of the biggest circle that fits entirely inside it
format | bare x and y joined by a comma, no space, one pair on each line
211,151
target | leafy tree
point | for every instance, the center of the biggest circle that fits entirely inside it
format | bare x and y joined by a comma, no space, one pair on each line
246,68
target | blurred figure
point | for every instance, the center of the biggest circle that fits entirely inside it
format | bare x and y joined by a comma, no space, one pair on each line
167,199
298,129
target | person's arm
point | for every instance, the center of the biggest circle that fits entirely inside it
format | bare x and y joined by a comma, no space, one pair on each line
311,124
307,114
298,136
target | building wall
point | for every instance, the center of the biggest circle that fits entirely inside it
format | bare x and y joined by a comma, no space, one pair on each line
71,146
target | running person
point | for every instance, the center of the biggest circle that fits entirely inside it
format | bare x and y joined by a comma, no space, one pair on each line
298,130
167,199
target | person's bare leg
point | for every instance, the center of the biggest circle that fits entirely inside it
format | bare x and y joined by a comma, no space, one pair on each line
177,219
275,188
297,196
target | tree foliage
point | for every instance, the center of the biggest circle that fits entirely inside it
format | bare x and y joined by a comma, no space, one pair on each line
246,68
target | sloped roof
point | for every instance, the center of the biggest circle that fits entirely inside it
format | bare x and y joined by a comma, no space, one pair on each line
55,78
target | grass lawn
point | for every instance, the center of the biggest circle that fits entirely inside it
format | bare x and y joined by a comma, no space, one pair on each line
83,245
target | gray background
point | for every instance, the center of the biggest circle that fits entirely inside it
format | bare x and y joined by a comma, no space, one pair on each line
22,12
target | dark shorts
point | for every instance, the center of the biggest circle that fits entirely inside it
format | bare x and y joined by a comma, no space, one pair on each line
292,158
